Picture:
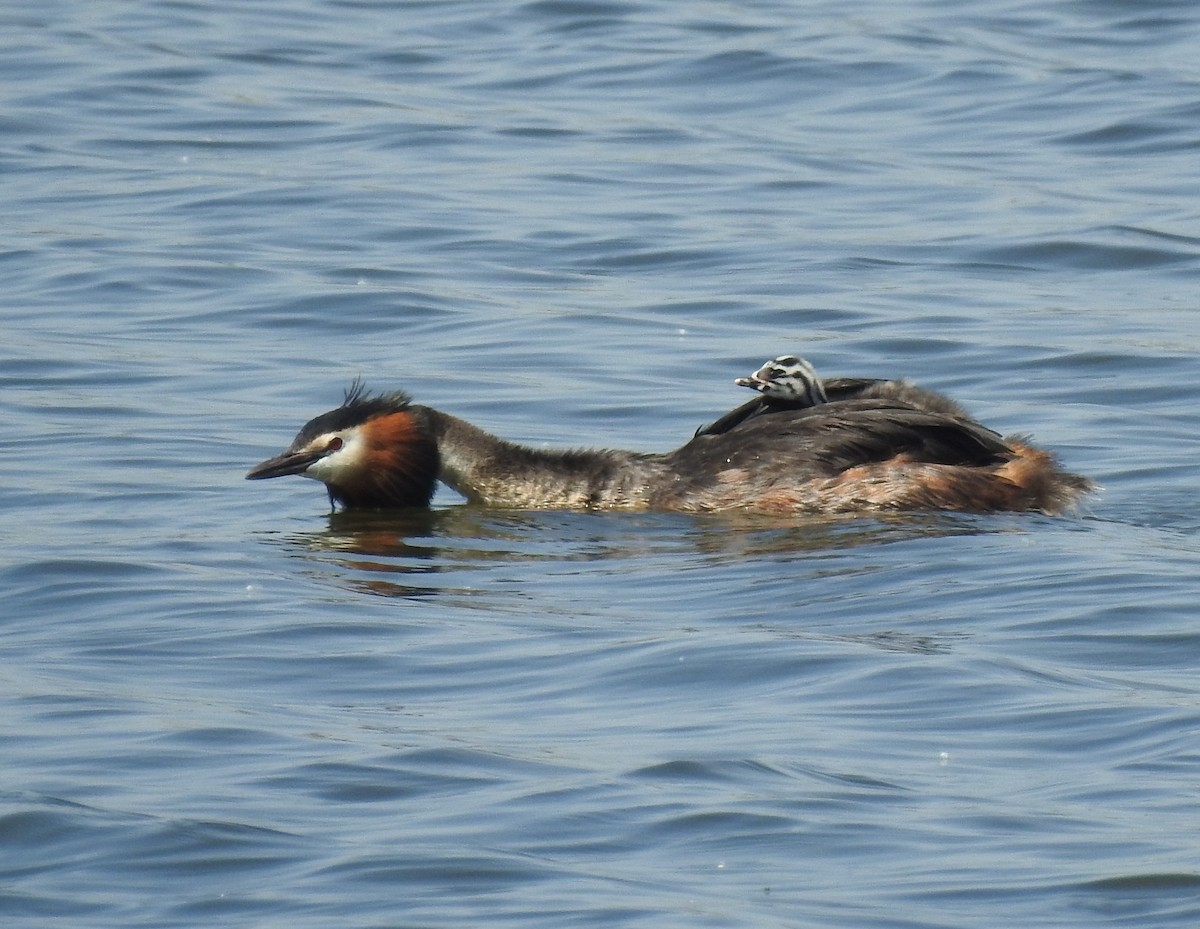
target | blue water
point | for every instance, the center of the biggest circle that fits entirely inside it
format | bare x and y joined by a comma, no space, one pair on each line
574,223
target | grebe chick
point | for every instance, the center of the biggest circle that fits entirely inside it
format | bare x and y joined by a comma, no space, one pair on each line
855,455
787,379
789,383
786,383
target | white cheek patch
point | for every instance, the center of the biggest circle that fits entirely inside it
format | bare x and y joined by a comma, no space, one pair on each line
337,466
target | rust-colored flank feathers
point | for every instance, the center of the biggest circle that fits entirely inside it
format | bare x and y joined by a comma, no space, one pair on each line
804,446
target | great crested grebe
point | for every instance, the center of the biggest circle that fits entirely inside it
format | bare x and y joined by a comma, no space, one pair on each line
872,446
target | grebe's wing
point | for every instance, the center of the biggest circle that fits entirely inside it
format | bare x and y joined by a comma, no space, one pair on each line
837,390
734,417
878,430
899,391
849,388
832,437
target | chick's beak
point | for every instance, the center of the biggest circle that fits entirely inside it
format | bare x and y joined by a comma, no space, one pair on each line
755,381
292,461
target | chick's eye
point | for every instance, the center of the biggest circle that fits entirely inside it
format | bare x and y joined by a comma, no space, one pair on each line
334,444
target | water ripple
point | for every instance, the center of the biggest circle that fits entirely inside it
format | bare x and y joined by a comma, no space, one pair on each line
575,223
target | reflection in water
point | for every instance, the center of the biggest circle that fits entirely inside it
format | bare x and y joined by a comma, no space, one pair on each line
406,545
382,533
726,538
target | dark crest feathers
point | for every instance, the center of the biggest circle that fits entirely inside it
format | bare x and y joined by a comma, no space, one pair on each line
358,406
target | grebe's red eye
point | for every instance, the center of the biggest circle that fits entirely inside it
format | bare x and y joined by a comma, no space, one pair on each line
334,444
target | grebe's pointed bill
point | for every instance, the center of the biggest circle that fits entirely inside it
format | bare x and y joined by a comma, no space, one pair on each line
754,381
293,461
773,372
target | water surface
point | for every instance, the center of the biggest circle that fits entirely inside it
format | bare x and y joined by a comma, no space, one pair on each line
575,224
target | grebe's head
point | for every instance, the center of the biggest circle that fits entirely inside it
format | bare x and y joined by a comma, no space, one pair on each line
373,451
789,379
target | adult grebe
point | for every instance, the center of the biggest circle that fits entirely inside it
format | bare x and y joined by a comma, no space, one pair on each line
860,454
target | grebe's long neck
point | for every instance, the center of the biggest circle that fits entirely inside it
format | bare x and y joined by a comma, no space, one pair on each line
490,470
